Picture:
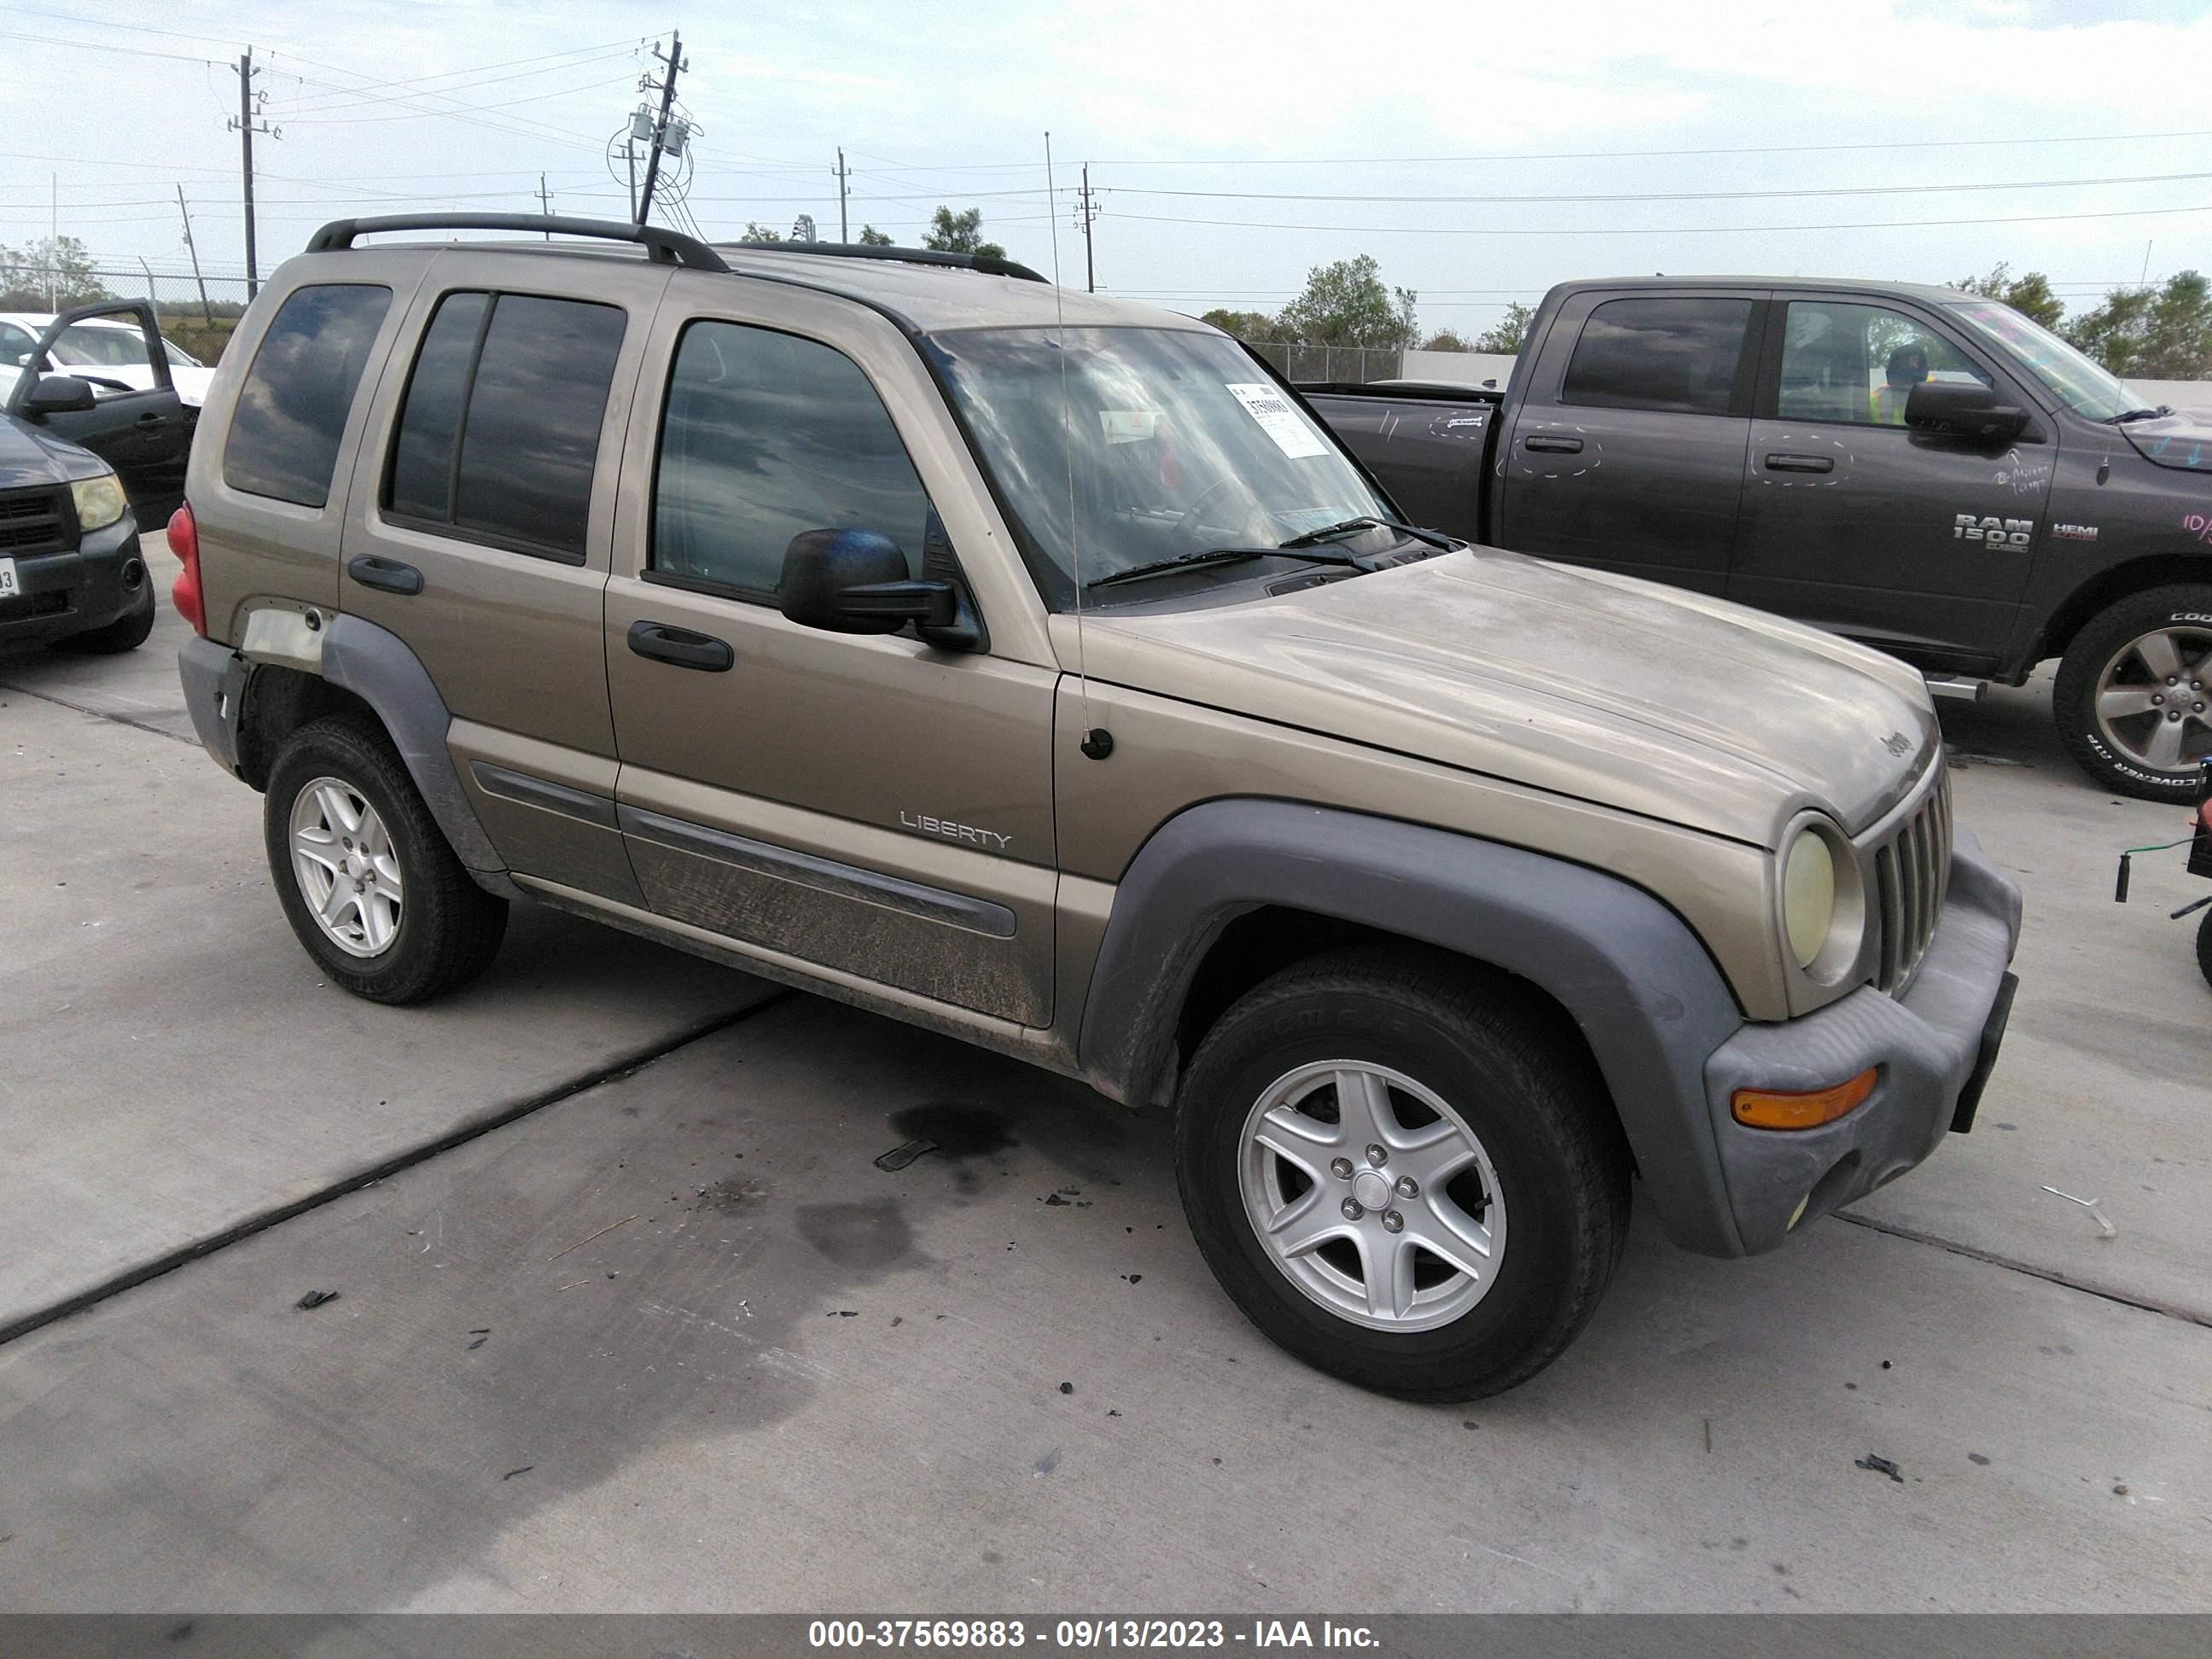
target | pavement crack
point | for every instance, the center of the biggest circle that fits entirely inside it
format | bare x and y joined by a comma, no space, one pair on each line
622,1066
2013,1264
97,714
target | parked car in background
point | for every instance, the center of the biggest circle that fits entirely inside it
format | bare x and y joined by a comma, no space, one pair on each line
71,572
105,350
1918,468
1026,664
144,432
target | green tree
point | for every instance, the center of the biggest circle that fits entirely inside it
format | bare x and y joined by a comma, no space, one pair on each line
1348,304
960,233
2029,293
871,237
757,232
1247,325
54,267
2161,335
1444,340
1506,338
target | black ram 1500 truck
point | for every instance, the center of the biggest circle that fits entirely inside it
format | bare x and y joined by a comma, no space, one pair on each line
1916,467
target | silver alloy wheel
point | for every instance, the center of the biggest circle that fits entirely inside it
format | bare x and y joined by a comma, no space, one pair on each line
347,868
2154,699
1392,1224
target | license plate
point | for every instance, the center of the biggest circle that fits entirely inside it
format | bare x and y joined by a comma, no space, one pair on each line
8,588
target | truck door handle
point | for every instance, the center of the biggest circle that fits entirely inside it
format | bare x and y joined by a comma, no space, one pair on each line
371,570
1552,444
1801,464
681,647
150,418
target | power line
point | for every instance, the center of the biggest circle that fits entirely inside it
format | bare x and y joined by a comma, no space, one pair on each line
1675,195
1659,230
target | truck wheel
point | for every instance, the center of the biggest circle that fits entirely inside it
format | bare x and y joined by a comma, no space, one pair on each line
1401,1179
365,875
2134,697
126,633
2205,946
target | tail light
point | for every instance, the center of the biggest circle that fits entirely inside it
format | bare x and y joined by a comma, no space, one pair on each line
185,595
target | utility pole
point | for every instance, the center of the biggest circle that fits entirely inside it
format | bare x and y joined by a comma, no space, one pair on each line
1086,209
54,237
544,205
844,229
244,125
674,60
207,313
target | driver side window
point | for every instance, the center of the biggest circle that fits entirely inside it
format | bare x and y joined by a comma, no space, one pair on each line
1858,364
15,346
764,435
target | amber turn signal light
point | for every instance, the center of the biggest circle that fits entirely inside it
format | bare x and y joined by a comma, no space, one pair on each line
1771,1109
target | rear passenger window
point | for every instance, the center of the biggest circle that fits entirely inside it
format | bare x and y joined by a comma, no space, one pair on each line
766,435
499,434
1670,354
291,411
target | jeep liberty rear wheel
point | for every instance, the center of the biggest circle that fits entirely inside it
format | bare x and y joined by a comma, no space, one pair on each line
366,876
2134,696
1401,1178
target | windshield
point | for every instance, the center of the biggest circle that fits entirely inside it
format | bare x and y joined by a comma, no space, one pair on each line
1178,441
2077,382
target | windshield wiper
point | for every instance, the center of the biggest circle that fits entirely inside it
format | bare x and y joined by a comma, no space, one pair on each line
1330,532
2125,415
1225,556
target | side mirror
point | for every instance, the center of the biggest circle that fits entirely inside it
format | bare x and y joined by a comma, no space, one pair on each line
1957,409
58,394
854,581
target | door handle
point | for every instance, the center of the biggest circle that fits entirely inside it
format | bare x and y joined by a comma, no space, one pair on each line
371,570
681,647
149,418
1551,443
1801,464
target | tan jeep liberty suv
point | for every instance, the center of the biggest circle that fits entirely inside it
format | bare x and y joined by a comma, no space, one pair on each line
1032,666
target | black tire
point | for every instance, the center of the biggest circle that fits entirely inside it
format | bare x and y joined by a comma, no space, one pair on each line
126,633
2204,947
2186,607
1533,1101
449,928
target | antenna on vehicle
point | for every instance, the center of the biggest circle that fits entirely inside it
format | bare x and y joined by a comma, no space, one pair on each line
1096,744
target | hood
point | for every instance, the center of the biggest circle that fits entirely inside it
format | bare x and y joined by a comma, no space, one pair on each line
32,455
1605,688
2182,441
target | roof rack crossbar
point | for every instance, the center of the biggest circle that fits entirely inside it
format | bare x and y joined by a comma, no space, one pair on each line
666,247
989,264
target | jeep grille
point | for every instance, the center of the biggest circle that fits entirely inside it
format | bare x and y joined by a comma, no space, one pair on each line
1912,871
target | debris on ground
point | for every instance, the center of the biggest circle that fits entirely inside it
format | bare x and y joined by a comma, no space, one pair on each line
1879,1465
903,1154
2106,1231
1067,1388
1112,1413
1133,1278
588,1239
478,1343
1049,1463
1054,1199
524,1469
842,1313
315,1299
1976,1457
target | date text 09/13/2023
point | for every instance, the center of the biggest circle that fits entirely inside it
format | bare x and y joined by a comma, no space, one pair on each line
1083,1634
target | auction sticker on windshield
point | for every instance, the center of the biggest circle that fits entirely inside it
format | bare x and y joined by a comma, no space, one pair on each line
1279,420
7,585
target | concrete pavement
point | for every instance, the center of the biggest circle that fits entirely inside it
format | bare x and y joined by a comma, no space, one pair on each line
673,1340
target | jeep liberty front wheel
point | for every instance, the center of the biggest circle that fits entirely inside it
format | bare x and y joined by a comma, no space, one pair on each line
2134,696
366,876
1401,1174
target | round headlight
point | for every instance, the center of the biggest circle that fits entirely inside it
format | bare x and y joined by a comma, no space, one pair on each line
1808,895
100,501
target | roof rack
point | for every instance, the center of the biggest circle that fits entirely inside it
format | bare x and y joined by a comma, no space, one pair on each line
989,264
666,247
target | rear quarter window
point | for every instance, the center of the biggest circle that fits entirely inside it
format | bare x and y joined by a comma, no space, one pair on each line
1675,353
291,411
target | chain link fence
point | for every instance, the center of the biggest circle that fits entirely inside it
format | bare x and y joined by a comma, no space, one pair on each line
197,314
1302,364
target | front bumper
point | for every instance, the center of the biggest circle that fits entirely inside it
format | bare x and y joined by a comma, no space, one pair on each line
1934,1047
101,580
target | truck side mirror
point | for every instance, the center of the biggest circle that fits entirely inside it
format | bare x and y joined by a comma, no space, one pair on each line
1959,410
58,394
854,581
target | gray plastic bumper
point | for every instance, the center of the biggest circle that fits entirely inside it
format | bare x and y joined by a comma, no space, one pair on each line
1934,1047
213,678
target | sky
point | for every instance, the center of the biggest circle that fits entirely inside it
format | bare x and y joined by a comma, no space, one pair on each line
1480,152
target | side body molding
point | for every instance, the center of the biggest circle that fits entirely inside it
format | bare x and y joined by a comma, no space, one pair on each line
377,667
1645,995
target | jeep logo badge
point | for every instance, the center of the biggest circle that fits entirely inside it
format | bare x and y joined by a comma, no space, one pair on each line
1898,743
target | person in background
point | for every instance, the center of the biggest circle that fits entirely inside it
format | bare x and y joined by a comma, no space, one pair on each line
1907,368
